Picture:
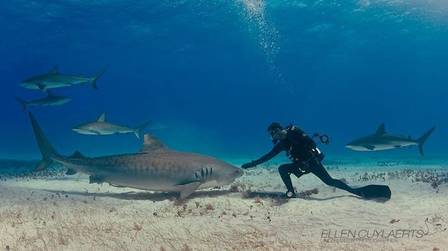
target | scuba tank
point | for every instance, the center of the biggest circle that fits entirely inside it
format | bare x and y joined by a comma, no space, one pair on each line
305,145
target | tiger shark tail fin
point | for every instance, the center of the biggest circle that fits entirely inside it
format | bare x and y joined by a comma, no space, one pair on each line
46,149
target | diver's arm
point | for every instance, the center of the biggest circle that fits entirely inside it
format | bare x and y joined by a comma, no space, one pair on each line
276,150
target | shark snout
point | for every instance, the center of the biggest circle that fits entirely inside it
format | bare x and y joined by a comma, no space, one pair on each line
232,174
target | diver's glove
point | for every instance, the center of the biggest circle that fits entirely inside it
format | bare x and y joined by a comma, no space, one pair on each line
249,165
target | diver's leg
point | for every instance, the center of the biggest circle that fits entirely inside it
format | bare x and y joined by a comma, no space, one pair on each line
319,170
285,171
299,170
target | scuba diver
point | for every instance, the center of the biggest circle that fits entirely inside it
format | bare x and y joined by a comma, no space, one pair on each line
306,158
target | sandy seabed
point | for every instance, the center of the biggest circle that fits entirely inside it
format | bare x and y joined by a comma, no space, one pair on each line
67,213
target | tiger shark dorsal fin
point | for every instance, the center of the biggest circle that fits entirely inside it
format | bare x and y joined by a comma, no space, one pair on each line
150,143
102,117
54,70
381,130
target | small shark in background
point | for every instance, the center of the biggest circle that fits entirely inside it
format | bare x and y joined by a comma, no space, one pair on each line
54,79
154,168
381,140
101,127
49,100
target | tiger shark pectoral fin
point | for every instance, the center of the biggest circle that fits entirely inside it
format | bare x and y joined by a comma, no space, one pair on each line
186,189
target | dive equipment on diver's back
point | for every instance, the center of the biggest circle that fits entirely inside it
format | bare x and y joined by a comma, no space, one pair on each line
324,138
300,144
318,154
302,136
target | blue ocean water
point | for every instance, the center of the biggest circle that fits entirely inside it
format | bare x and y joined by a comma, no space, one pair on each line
212,74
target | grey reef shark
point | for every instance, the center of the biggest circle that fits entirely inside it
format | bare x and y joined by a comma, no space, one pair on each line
55,79
50,100
102,127
381,140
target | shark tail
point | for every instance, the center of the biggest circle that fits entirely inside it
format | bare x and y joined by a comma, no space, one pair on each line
422,140
23,103
46,149
95,79
138,131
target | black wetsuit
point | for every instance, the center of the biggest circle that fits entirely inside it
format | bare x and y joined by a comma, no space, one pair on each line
299,148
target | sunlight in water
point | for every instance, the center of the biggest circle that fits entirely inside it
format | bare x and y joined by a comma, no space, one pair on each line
267,35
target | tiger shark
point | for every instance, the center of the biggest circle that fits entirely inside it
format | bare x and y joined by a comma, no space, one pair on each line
55,79
50,100
381,140
102,127
155,167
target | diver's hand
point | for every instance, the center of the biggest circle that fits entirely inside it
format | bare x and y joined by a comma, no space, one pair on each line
248,165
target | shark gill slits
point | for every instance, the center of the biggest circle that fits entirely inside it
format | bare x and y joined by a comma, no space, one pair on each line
196,175
202,173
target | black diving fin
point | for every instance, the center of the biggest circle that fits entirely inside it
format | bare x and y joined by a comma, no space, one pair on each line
374,192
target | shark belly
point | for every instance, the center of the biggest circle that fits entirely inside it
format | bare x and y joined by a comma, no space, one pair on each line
142,176
142,182
110,130
407,144
395,145
30,86
151,178
124,131
56,84
103,132
60,81
383,147
391,145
